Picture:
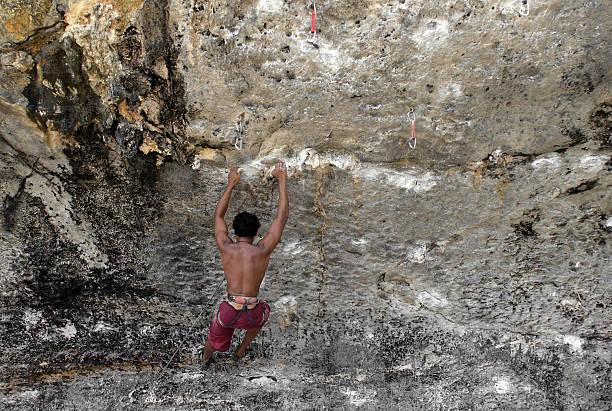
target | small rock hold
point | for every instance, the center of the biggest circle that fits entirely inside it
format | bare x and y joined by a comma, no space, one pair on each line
128,138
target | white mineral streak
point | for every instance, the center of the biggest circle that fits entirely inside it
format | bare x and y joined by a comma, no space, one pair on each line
270,6
609,222
359,398
432,299
571,304
593,163
57,205
102,327
550,161
294,247
190,376
408,179
510,7
28,395
68,331
403,367
503,386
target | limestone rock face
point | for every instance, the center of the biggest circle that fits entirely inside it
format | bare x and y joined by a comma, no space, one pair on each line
470,272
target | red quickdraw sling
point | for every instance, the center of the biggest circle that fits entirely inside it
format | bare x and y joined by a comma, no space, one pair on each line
412,118
312,38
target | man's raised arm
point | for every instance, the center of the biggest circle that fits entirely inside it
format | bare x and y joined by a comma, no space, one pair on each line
221,233
275,231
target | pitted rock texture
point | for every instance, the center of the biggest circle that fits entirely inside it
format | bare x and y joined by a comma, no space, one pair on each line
472,272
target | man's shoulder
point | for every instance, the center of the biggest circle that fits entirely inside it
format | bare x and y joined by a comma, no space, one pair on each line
263,244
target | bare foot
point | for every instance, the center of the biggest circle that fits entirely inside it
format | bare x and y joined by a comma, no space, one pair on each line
248,338
206,356
207,353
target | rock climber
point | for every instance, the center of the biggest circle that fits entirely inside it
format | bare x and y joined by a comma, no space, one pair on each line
245,264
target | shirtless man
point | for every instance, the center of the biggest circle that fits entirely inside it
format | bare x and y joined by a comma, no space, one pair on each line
245,265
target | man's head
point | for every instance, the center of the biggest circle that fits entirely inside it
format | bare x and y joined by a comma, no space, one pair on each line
245,224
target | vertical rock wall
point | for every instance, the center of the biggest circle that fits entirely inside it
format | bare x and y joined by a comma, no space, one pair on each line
470,272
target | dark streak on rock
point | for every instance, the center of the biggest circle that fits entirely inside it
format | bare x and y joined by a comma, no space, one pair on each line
601,121
587,185
524,227
39,35
10,203
77,105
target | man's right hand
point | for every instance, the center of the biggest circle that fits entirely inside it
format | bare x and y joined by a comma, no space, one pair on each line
234,177
280,172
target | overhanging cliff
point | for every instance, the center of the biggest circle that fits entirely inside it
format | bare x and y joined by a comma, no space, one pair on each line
472,271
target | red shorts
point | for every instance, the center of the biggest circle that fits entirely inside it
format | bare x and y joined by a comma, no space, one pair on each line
220,336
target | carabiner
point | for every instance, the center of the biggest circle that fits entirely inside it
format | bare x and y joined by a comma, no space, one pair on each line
524,8
411,115
412,118
239,129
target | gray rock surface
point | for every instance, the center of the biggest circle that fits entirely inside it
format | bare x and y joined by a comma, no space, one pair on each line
472,272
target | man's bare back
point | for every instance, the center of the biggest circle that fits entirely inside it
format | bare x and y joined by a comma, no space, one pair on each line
244,262
245,267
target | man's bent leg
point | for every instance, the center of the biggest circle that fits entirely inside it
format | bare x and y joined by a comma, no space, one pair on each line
248,338
219,337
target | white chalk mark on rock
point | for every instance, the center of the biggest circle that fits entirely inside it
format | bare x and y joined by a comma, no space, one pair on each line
547,162
416,254
31,318
503,386
574,342
270,6
294,247
102,327
432,299
450,90
68,331
431,35
593,163
413,180
359,398
408,179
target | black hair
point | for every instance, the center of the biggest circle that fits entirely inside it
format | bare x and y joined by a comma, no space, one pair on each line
245,224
